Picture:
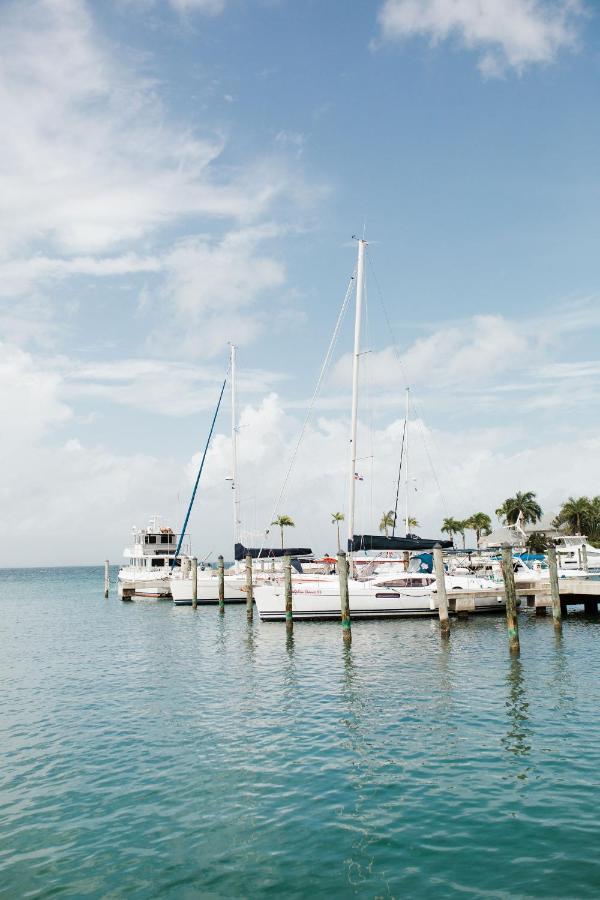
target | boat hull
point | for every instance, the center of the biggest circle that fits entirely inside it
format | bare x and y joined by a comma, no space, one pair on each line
208,590
314,602
158,587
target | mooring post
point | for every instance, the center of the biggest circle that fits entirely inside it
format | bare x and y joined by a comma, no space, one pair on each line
440,578
194,583
221,575
511,598
106,578
344,599
249,592
287,580
554,588
584,558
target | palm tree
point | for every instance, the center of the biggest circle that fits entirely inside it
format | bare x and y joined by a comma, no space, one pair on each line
388,520
451,527
336,518
480,523
522,506
537,542
462,525
577,513
283,522
412,522
594,526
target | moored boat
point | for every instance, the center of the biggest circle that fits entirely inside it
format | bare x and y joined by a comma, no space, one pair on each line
147,569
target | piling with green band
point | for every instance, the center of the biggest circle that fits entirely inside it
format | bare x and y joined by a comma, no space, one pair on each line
442,599
221,576
249,592
511,599
344,599
554,588
287,580
194,583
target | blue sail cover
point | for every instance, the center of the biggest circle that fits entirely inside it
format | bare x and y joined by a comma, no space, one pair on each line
381,542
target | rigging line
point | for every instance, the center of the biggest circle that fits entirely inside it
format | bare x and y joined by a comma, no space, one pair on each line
324,368
398,481
193,497
404,375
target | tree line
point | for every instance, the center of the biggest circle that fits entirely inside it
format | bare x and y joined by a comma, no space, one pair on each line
577,515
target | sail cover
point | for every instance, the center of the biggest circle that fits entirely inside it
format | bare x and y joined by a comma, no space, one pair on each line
380,542
269,552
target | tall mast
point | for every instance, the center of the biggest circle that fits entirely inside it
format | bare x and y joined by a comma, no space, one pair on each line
236,510
360,278
406,452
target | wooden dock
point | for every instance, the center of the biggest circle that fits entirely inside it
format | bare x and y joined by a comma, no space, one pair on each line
573,592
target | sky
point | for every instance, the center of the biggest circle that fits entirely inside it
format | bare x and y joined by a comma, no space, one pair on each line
176,175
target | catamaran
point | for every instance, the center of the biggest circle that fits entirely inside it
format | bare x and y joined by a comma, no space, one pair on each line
374,595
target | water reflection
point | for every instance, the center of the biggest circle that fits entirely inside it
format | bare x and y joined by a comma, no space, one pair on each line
561,676
518,736
250,642
363,761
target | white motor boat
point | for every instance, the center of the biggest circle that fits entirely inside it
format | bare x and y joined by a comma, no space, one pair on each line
406,594
570,552
147,569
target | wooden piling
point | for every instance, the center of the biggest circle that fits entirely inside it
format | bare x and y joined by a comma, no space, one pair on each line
554,588
194,583
221,576
440,578
344,599
287,578
106,578
584,558
511,599
249,591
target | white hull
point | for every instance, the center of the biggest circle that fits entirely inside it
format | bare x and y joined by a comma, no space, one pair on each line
320,599
208,589
143,584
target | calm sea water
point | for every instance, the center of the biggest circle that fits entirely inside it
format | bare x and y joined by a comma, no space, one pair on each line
150,751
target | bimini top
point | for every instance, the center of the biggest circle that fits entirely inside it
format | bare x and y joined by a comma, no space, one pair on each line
380,542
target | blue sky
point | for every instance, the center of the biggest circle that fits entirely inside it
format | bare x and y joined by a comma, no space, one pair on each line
178,174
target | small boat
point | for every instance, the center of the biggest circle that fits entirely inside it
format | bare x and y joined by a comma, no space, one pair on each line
149,558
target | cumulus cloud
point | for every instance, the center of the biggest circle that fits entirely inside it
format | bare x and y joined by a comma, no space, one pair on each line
480,348
507,34
90,158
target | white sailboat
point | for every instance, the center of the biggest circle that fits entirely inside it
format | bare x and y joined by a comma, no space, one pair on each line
207,580
376,596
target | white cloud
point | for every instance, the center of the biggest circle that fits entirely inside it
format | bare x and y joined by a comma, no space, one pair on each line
478,349
208,7
506,33
213,287
90,159
160,387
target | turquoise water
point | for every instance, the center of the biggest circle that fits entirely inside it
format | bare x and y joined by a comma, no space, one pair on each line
153,751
